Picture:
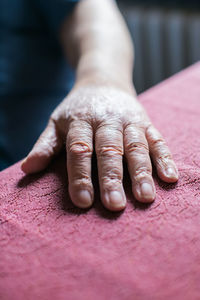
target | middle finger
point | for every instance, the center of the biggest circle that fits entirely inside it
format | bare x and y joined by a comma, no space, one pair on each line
109,150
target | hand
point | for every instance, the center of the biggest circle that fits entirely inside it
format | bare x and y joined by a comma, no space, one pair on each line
115,124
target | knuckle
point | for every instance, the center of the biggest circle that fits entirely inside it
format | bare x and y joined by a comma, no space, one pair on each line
142,172
136,146
158,143
82,183
109,150
165,157
79,148
114,174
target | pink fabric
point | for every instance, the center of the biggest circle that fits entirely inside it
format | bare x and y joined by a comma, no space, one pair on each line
51,250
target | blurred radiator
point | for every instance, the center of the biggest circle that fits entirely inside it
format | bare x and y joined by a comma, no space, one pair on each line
165,41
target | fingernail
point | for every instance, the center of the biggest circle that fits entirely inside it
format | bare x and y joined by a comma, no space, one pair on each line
84,198
171,172
147,191
116,199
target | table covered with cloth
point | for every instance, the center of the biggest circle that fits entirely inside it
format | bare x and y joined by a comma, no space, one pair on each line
49,249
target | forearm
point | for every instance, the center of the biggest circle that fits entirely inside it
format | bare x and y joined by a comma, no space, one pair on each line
97,42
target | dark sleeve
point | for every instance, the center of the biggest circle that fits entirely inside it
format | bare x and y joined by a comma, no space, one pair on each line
55,11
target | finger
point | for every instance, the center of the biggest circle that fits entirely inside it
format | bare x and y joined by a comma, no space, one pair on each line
47,146
79,153
161,155
109,150
139,164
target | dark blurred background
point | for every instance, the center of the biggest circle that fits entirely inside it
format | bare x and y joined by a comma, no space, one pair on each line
166,36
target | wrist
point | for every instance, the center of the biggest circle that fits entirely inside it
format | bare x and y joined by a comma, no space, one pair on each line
99,68
106,80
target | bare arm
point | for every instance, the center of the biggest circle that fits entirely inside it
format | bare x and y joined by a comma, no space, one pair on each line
96,40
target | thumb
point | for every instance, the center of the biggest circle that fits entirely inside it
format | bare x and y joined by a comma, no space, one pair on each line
48,145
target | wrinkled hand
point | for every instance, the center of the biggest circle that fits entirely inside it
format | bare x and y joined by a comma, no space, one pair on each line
115,124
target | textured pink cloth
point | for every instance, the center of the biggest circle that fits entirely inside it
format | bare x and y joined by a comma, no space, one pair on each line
51,250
